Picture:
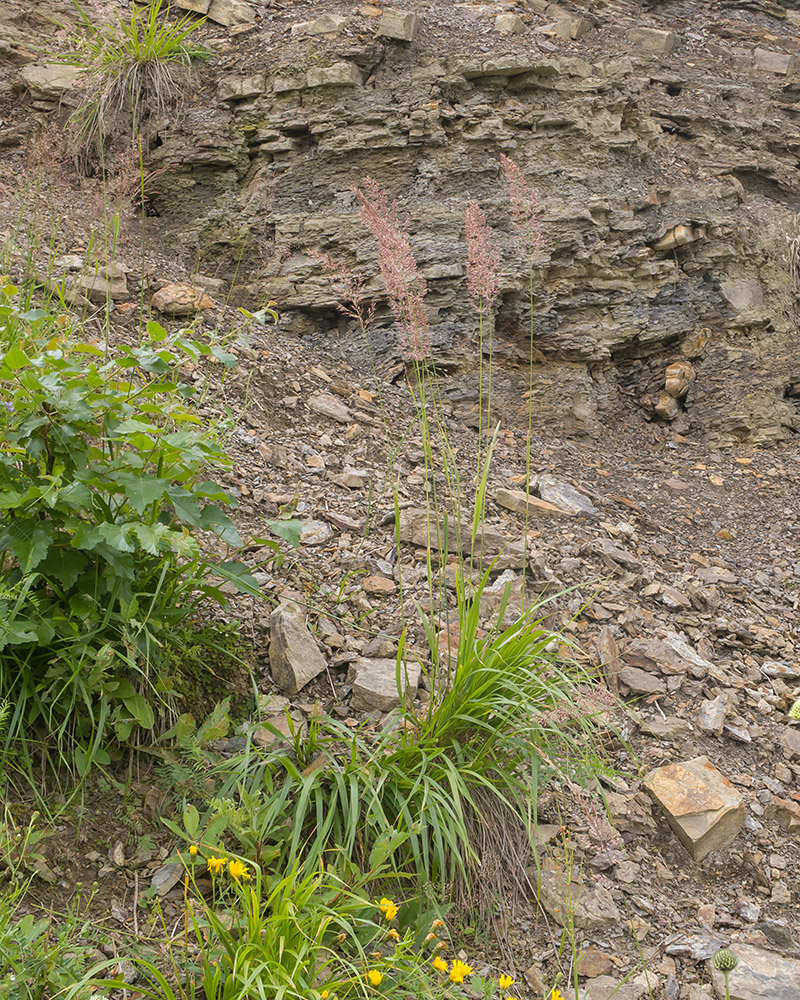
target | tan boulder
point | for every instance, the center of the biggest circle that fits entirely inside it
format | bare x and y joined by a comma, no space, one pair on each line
180,299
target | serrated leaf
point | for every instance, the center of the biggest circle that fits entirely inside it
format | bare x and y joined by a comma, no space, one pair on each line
29,539
140,491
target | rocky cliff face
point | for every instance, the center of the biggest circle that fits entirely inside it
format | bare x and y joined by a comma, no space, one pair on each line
662,140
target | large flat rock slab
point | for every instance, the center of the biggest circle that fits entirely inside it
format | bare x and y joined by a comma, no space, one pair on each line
703,808
760,975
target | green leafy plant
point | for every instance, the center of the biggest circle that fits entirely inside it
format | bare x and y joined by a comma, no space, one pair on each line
105,505
40,958
134,67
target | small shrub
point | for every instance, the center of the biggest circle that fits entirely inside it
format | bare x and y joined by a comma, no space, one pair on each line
105,501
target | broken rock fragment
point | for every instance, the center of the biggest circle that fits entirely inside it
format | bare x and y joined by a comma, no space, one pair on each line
375,683
294,657
703,808
180,299
566,896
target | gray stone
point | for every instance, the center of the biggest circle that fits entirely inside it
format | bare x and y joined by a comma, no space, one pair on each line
670,655
573,28
614,552
703,808
640,682
341,74
509,24
315,533
326,24
105,283
653,40
517,501
374,683
230,12
166,878
329,406
608,988
781,63
743,294
760,975
565,496
50,80
790,739
294,657
239,88
399,24
669,728
711,717
569,899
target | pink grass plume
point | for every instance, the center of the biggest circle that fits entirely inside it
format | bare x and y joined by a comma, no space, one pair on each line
483,262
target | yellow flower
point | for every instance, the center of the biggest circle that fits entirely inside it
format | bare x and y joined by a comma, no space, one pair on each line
437,923
375,977
215,865
324,995
238,870
193,849
506,981
439,964
460,971
394,935
557,995
389,908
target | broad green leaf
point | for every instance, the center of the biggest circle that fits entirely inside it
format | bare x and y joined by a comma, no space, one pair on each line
191,820
214,520
29,539
14,359
186,507
155,331
240,576
133,426
289,530
227,359
141,710
140,491
63,564
150,536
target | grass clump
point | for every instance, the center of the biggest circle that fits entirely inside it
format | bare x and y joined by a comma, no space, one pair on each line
135,67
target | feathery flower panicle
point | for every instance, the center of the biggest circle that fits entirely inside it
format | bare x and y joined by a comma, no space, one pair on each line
524,206
405,286
483,262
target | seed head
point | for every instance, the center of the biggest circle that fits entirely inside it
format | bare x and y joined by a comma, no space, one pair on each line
524,206
724,960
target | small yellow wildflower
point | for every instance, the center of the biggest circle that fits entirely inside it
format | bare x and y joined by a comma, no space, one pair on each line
439,964
324,995
389,908
557,995
375,977
193,849
437,923
215,865
459,971
506,981
394,935
238,870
